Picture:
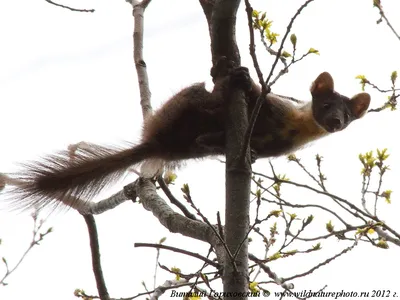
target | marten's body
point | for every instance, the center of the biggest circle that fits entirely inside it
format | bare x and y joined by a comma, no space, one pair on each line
190,125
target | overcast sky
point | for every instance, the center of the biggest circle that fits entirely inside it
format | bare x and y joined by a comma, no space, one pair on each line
67,77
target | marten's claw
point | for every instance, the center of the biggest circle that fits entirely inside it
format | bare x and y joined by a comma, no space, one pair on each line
222,68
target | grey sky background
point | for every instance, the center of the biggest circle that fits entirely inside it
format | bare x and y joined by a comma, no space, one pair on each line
67,77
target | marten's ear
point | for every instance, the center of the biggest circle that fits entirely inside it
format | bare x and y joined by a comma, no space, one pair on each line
359,104
323,84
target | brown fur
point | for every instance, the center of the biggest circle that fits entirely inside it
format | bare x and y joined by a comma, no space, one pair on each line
190,125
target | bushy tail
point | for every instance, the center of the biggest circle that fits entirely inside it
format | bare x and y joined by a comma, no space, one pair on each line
62,177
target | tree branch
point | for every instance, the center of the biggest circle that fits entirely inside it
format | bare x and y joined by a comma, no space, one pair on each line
238,169
173,200
178,250
70,8
174,222
96,262
141,70
377,3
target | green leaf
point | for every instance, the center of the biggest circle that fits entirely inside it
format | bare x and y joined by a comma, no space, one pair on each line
310,218
273,229
176,271
253,287
286,54
275,256
271,36
362,77
314,51
382,155
291,252
169,177
292,216
275,213
317,246
329,226
185,188
382,244
293,39
386,194
363,81
393,77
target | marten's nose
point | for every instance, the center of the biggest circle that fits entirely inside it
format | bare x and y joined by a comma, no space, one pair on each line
334,124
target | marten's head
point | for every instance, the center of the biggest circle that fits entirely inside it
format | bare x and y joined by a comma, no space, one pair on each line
333,111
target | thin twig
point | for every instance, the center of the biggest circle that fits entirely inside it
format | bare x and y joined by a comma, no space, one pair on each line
70,8
176,286
289,27
322,263
173,200
352,206
189,253
37,237
219,237
265,87
382,13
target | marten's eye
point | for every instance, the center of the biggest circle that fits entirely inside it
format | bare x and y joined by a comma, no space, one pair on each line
326,105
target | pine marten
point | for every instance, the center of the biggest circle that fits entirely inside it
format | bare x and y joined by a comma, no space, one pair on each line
189,126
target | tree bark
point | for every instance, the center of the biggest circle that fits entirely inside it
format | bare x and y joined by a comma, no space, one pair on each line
238,171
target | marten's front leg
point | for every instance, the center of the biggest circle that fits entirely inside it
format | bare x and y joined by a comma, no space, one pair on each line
240,78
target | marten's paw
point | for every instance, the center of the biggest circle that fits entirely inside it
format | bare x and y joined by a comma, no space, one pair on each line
223,67
240,78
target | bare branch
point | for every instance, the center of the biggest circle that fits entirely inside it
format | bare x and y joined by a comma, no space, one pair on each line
377,3
171,220
96,208
173,200
289,27
188,197
322,263
96,262
189,253
270,273
70,8
265,88
37,237
143,80
383,234
168,285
